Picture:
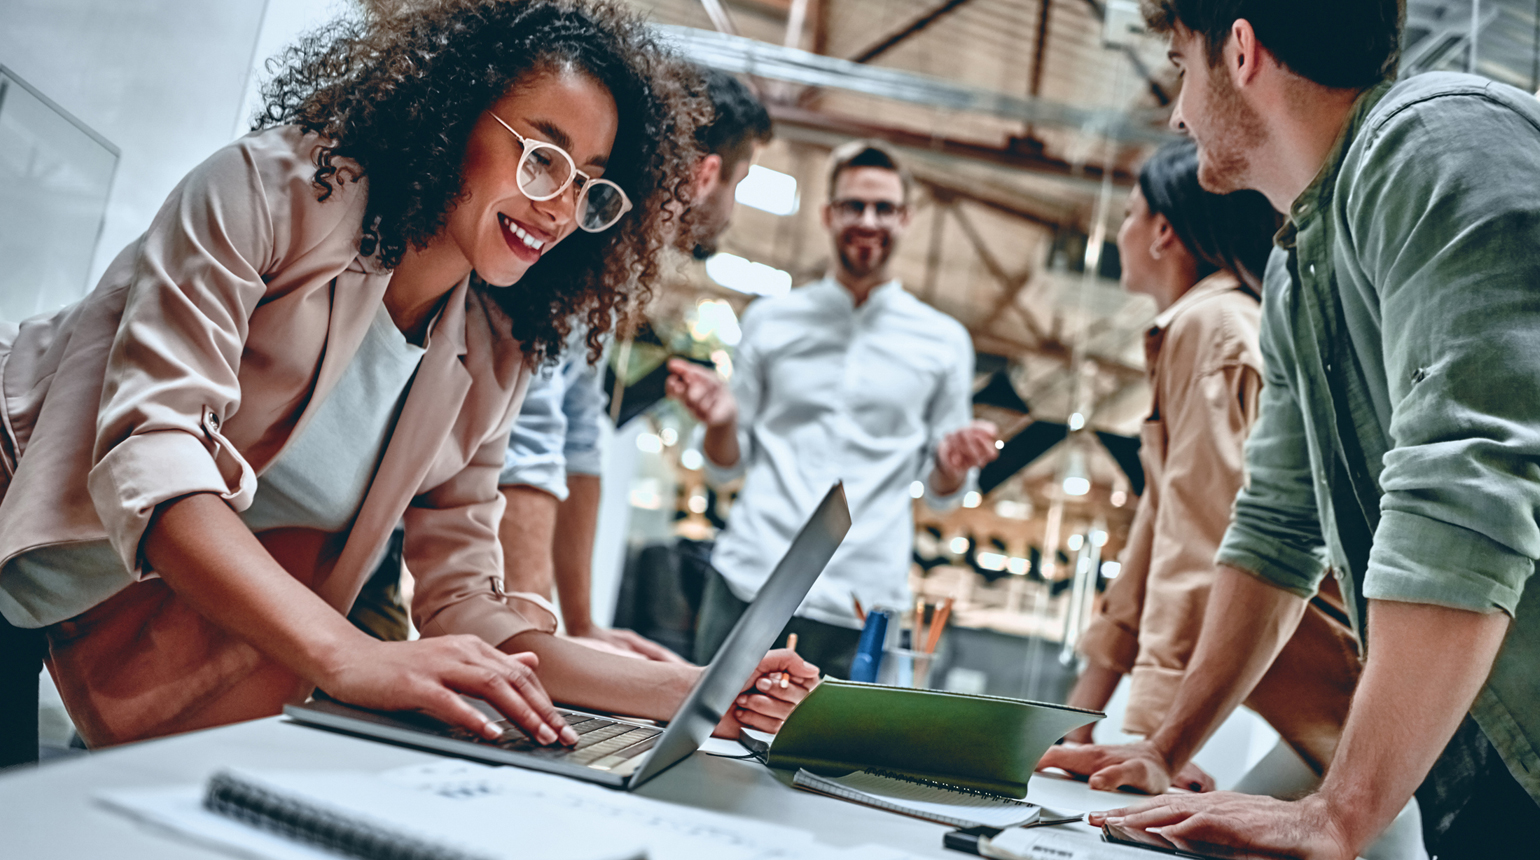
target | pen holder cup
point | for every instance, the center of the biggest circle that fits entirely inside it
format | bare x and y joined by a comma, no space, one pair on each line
906,667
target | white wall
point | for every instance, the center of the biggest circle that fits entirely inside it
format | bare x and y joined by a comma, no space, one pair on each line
284,22
161,79
166,81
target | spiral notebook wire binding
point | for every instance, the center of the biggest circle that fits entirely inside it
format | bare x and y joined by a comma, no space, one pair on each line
944,786
268,810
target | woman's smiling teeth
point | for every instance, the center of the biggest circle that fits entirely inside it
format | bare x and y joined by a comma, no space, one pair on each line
520,232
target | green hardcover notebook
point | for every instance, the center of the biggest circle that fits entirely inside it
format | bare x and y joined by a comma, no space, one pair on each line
988,743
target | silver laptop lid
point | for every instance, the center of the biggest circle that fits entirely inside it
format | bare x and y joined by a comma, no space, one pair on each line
752,636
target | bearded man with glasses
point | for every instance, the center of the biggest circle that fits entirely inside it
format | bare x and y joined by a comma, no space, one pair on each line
849,378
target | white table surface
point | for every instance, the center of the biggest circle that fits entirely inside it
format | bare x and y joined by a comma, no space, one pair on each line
48,812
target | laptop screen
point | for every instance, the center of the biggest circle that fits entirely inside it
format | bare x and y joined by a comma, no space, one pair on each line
752,636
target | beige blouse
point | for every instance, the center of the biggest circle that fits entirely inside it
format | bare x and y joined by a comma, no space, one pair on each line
1205,369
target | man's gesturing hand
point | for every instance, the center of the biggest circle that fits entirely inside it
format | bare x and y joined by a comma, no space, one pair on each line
969,448
429,675
703,391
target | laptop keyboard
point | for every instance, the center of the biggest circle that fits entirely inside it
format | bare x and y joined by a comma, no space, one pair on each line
602,744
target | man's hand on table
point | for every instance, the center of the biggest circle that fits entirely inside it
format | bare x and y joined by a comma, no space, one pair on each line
782,680
626,643
1259,826
1138,766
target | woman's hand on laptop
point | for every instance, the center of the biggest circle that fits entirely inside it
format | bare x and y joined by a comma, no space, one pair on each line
429,675
782,680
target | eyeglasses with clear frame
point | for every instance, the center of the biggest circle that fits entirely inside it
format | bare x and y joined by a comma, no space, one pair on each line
849,210
546,171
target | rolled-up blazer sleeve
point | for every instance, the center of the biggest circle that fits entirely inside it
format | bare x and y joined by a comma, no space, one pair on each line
454,555
172,372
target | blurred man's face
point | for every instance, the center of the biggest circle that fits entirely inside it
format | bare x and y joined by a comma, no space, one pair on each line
714,203
866,217
1209,109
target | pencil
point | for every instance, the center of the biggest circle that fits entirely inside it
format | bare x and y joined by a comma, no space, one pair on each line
937,624
791,645
860,613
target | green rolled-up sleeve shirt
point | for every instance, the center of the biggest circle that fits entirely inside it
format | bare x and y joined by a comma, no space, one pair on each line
1401,336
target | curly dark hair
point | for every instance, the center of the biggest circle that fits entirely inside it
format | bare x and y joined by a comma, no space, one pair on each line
398,93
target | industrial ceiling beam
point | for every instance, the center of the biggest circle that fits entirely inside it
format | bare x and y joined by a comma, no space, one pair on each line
747,56
1449,28
984,341
1011,283
1015,206
796,22
719,17
1024,159
1040,50
1157,91
897,37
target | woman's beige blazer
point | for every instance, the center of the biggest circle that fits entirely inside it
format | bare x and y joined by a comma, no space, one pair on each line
208,343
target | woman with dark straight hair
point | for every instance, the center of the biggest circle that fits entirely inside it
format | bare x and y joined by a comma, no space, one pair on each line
328,329
1231,233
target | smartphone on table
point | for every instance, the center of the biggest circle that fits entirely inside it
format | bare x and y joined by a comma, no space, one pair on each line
1155,842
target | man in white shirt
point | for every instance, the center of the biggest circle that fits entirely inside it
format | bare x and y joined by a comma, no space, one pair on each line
849,378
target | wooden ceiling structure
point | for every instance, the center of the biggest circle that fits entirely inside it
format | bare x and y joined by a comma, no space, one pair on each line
1024,122
1023,125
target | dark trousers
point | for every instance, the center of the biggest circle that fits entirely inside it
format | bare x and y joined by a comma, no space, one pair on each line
379,609
1471,805
829,647
21,661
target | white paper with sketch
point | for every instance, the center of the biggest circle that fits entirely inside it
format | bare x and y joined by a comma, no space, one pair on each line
670,830
931,801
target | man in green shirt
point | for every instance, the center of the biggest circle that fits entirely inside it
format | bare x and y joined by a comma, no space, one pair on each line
1399,436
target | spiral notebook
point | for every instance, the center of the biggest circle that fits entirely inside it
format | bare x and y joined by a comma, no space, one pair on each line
361,816
922,798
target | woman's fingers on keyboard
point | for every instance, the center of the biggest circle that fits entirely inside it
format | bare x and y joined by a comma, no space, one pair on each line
509,685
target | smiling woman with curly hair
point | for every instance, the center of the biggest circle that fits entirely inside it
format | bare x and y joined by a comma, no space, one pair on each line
328,328
400,98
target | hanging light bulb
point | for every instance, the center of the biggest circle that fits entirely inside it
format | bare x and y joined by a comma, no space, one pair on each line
1077,481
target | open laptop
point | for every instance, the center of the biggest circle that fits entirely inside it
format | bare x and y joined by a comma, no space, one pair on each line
617,752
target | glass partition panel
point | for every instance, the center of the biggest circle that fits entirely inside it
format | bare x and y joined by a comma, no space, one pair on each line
55,174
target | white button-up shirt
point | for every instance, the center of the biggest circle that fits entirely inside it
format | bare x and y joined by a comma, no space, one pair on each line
828,391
